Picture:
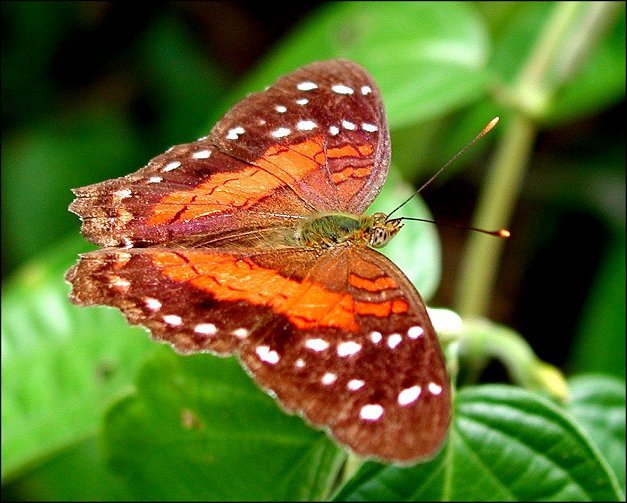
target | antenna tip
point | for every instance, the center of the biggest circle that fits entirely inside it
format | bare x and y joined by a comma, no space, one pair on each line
492,123
503,233
486,129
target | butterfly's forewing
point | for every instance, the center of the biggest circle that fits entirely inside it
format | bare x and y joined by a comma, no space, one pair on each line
316,140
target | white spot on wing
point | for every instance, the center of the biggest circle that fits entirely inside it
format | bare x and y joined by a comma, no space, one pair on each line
409,395
341,89
394,340
122,258
371,128
302,101
170,166
234,133
329,378
348,348
173,320
155,179
376,337
152,303
334,130
281,109
306,125
307,86
434,388
240,332
317,344
299,363
371,412
415,332
119,282
123,193
281,132
348,125
365,90
267,355
204,154
355,384
205,329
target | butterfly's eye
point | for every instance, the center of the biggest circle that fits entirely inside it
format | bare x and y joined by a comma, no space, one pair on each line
383,230
379,237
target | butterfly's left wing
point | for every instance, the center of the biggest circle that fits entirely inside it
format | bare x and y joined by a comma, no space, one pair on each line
340,336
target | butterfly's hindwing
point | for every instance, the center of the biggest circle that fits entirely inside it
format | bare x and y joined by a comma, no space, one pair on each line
358,355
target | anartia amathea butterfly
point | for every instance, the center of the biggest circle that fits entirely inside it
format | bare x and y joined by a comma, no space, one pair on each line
252,241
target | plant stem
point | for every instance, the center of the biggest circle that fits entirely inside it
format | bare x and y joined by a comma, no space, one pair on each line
500,192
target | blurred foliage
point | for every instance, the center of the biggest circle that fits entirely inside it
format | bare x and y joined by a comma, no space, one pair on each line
92,91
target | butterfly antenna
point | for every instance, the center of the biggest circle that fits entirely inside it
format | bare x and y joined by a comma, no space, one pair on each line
485,131
501,233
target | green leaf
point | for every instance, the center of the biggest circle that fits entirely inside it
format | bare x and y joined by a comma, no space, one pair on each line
426,59
61,365
198,428
504,444
598,405
78,473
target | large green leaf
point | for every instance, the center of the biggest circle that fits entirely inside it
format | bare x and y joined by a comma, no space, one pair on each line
198,428
504,444
598,405
61,365
76,473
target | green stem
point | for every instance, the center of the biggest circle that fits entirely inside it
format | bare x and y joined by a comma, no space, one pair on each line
500,192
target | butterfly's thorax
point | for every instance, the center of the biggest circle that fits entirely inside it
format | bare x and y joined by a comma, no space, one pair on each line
328,230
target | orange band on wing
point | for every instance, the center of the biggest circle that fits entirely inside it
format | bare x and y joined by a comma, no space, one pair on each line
350,151
351,172
381,309
242,188
380,283
227,278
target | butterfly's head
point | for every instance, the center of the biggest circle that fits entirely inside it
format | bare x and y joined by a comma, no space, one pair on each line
380,230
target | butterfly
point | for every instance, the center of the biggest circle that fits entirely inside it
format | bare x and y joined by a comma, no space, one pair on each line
253,241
